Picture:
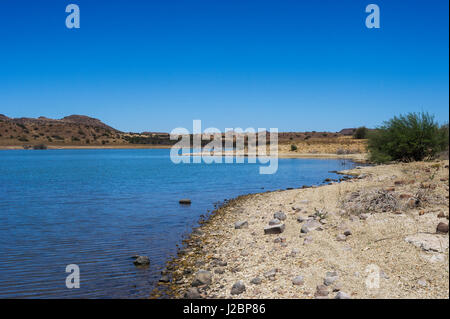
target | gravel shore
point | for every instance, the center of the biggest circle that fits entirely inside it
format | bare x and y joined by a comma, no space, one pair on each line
382,234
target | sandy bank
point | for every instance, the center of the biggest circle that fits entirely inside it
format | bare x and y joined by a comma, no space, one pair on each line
373,236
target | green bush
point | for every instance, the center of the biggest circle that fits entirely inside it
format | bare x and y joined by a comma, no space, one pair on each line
410,137
361,133
293,147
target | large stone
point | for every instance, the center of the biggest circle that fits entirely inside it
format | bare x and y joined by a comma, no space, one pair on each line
279,216
238,288
276,229
241,224
141,261
310,225
429,242
202,278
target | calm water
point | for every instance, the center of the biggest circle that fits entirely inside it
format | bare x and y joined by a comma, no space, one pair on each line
97,208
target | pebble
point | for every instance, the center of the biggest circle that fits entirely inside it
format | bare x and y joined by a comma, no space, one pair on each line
274,221
141,261
279,216
256,281
342,295
276,229
341,237
192,293
442,228
298,281
321,291
219,271
241,224
310,226
422,282
202,277
238,288
347,232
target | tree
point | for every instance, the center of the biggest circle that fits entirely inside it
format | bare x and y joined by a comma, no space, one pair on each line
410,137
361,133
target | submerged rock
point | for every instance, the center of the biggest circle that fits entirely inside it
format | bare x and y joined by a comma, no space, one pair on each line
141,261
185,201
442,228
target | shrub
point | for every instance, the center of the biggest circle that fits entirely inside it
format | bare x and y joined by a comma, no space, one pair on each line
40,147
360,133
411,137
293,147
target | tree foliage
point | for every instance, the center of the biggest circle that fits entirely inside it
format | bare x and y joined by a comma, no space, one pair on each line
410,137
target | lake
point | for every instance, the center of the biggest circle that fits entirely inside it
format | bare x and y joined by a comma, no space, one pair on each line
98,208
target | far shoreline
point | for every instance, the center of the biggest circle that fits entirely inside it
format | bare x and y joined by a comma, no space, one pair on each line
357,158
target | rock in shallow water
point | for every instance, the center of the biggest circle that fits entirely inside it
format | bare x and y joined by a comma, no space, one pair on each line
141,261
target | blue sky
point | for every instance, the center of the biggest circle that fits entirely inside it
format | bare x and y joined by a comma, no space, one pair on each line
156,65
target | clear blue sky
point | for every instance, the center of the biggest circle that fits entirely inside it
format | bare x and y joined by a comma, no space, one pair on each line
156,65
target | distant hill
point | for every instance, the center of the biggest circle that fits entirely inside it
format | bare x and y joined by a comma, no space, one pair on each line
70,130
85,131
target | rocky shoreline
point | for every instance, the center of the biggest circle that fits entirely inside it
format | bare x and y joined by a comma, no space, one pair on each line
381,234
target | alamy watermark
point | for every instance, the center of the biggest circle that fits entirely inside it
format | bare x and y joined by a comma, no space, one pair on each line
373,19
233,146
73,279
